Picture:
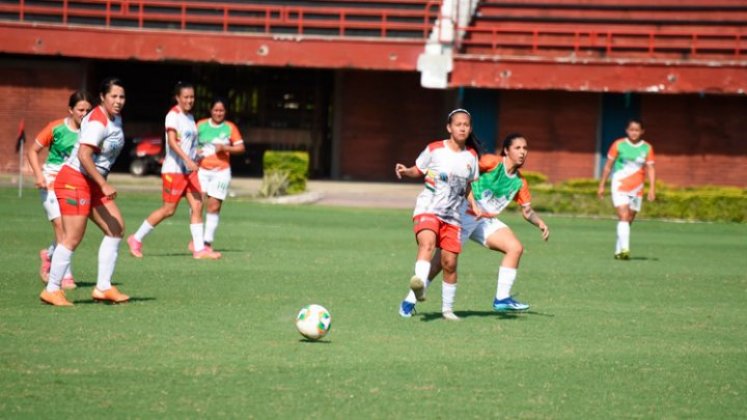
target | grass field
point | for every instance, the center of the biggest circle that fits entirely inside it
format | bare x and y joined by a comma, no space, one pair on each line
661,336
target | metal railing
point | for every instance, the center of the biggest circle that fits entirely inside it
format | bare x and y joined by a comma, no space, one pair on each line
381,22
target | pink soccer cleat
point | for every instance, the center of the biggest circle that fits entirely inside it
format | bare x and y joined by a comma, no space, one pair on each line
205,254
191,246
136,247
68,282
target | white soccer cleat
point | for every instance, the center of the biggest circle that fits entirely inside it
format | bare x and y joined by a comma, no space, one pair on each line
450,316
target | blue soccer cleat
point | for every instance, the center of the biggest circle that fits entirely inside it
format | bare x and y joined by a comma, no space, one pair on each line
508,304
406,309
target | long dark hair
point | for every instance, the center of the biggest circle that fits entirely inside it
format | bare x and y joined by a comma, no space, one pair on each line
77,96
106,85
472,140
509,140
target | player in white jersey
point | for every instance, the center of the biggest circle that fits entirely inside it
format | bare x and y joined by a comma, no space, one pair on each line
499,184
83,192
59,137
179,176
448,166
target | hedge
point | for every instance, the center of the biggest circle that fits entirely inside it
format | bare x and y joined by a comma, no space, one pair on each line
291,167
706,203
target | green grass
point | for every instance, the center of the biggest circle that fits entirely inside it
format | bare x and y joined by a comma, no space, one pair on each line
661,336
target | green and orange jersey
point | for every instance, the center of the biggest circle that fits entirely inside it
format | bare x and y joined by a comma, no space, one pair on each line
496,188
630,160
60,139
209,135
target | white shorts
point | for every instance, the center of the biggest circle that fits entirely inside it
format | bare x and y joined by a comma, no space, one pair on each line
215,182
479,229
49,201
631,200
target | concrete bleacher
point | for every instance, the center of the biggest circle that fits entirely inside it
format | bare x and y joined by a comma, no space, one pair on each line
665,29
337,18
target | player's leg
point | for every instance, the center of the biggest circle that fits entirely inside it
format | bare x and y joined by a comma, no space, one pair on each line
173,187
52,210
108,218
451,246
501,238
217,191
425,228
622,249
196,226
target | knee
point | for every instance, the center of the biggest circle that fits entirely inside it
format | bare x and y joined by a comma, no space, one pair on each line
515,248
449,265
168,211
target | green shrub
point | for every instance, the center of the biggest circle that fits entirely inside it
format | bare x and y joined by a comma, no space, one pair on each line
534,178
274,184
705,203
294,164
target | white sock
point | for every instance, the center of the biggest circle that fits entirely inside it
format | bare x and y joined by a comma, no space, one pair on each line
211,223
69,271
422,269
623,235
108,252
448,294
60,262
50,249
410,298
143,231
617,246
506,278
197,240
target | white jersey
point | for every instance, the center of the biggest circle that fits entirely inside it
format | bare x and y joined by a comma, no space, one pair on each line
183,124
447,174
105,135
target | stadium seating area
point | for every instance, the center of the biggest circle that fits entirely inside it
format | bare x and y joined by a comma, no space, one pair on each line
599,29
340,18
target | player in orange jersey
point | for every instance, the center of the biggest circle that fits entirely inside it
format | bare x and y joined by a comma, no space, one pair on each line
448,166
179,176
632,158
218,138
83,192
60,137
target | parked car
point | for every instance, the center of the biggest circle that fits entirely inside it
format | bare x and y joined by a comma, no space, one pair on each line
147,156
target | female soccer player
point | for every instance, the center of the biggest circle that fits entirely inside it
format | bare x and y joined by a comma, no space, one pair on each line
448,166
83,192
218,139
500,183
60,137
631,157
179,176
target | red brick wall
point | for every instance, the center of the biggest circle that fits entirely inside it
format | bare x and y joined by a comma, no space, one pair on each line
698,140
36,91
560,127
386,118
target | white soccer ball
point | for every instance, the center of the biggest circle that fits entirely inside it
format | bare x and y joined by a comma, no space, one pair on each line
313,321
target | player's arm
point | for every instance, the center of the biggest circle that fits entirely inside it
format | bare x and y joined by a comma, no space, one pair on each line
233,149
33,157
533,218
411,172
605,174
651,172
85,156
174,146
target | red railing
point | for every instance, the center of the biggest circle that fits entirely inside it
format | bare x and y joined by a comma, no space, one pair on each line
510,39
231,17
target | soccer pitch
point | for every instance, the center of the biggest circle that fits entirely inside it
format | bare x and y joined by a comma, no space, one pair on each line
660,336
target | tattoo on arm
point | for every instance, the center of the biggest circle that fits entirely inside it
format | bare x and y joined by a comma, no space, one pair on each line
531,216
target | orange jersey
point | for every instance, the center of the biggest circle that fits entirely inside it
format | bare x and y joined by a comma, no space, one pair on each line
210,135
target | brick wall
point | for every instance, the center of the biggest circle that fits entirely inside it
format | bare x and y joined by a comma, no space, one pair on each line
387,118
560,128
698,140
36,91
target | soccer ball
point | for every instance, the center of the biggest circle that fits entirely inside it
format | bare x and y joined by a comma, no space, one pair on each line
313,322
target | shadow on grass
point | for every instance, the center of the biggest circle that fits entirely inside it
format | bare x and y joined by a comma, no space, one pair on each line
432,316
132,300
307,341
643,259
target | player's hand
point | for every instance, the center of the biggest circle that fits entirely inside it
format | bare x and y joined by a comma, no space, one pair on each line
40,183
651,195
109,191
545,231
191,165
220,147
600,192
400,170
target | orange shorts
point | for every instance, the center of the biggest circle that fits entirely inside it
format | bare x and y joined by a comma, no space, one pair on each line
76,193
447,235
176,186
